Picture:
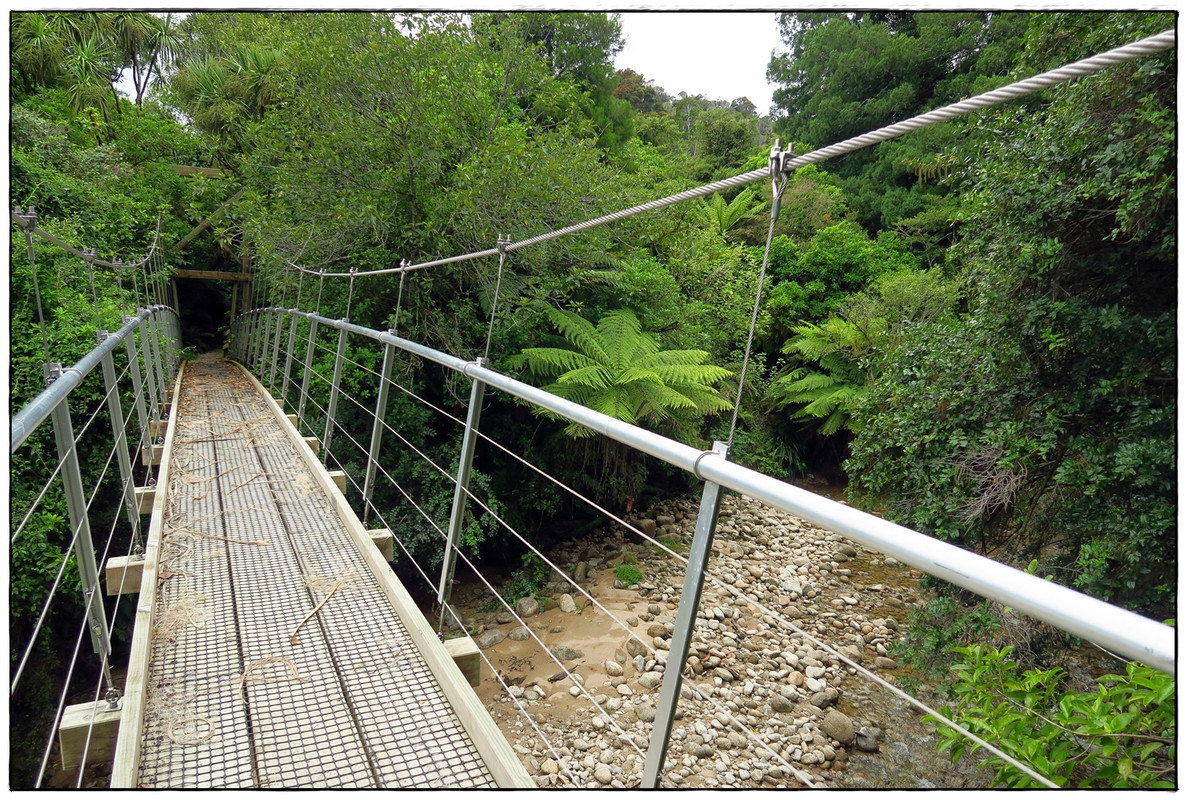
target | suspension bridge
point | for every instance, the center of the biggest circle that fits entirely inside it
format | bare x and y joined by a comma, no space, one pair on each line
273,645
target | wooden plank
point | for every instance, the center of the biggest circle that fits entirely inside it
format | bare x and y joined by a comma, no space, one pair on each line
500,759
126,766
206,223
385,541
312,443
145,497
156,456
123,574
205,172
464,652
292,418
88,721
339,479
211,275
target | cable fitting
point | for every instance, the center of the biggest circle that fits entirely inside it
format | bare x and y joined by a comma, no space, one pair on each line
53,371
102,335
696,465
502,244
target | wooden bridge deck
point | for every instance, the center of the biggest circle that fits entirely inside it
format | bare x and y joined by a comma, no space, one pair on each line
237,690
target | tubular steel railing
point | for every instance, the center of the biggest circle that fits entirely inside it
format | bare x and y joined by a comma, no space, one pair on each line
256,342
140,372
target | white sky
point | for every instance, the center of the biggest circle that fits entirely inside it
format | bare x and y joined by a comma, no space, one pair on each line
720,55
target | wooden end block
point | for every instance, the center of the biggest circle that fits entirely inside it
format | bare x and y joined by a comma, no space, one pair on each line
157,449
339,479
158,428
145,497
123,574
313,443
292,418
383,539
464,652
77,724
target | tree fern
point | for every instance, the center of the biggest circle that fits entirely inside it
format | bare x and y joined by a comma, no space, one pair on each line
618,369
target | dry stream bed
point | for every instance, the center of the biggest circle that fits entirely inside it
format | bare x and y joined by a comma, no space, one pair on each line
828,724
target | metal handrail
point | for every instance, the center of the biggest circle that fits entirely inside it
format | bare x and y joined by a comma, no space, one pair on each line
1109,626
37,410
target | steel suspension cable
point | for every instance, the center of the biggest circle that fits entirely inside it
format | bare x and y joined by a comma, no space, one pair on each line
778,184
494,303
1129,52
37,290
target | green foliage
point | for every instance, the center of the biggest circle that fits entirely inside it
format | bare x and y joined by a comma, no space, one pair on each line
1120,735
619,370
828,391
526,581
839,357
629,574
1044,417
721,217
847,73
933,630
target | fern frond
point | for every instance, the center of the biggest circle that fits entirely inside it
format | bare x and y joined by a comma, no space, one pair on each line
595,376
580,333
549,361
637,375
675,357
692,373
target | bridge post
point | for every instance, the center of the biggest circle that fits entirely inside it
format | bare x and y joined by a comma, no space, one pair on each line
158,362
309,348
116,412
686,617
332,408
84,549
263,328
138,392
389,356
457,514
275,352
288,363
154,397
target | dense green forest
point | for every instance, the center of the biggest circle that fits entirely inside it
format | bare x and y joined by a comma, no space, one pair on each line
973,325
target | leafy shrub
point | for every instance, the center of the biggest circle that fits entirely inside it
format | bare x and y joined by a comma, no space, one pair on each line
1122,735
527,581
932,631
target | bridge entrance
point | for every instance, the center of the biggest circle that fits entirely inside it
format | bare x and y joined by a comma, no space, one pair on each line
205,310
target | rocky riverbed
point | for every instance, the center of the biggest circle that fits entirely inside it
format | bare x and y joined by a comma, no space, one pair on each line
780,710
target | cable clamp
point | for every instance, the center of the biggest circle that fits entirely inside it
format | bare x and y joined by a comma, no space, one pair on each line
502,244
52,371
696,465
102,335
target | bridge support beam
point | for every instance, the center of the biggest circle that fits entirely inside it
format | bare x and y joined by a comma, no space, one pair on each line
332,408
127,479
309,348
84,549
461,503
138,393
288,364
686,617
91,728
123,574
389,356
